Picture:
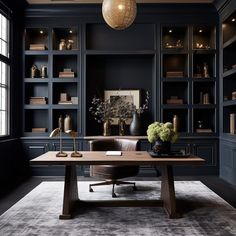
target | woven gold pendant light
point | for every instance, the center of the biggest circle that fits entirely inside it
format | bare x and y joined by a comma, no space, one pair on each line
119,14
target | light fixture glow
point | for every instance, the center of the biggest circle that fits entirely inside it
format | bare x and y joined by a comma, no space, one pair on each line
70,31
233,20
121,7
200,31
170,31
41,31
119,14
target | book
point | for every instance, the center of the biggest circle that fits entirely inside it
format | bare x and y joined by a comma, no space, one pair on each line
204,130
174,101
175,74
113,153
65,102
37,47
74,100
38,130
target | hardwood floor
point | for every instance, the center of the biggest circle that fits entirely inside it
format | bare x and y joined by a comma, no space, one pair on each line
9,195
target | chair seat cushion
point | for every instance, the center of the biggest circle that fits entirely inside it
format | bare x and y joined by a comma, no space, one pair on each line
114,172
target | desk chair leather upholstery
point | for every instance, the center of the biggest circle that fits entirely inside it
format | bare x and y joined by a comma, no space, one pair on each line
112,173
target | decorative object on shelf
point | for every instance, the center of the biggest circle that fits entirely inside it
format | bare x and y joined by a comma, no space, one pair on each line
206,98
103,112
202,46
67,123
226,98
74,134
162,135
206,70
54,133
64,99
174,100
74,100
69,44
176,123
107,128
62,44
121,124
232,123
44,72
119,14
34,72
135,127
177,45
233,95
124,103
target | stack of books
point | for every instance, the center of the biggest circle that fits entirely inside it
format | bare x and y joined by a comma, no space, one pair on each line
39,130
38,100
174,100
67,73
37,47
204,130
174,74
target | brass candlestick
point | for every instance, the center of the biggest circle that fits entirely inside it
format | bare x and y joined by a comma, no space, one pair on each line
73,134
54,133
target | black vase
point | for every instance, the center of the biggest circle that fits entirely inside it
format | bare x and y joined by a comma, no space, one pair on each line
135,125
161,147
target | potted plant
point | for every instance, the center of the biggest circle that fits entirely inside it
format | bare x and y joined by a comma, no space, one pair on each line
103,112
161,135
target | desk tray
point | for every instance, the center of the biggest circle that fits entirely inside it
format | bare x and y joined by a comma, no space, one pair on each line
171,154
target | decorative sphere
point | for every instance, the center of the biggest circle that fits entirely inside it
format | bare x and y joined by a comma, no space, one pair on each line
119,14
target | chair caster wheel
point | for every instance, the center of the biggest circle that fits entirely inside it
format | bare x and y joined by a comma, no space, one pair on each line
90,190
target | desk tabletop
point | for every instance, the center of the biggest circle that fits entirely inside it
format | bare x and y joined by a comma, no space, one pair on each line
127,158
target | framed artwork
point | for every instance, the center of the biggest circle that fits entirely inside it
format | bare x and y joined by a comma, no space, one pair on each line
130,96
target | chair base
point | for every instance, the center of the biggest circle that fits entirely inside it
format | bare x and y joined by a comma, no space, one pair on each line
113,182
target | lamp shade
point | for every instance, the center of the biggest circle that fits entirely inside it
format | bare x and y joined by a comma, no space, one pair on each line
119,14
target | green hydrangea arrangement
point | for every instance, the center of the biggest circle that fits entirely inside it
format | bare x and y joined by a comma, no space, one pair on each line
162,131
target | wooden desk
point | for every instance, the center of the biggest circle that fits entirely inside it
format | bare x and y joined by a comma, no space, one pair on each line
128,158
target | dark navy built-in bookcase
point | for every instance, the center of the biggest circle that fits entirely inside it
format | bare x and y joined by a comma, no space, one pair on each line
167,51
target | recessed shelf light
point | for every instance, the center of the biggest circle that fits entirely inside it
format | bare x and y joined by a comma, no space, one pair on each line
70,31
233,20
200,31
170,31
41,31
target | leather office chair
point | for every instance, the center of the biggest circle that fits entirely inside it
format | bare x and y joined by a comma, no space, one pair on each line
112,173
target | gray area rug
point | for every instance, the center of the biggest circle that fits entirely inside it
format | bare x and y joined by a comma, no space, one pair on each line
204,213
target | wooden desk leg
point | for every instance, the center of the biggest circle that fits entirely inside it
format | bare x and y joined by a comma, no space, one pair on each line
168,191
70,192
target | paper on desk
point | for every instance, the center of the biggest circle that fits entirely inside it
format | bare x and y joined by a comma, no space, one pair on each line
113,153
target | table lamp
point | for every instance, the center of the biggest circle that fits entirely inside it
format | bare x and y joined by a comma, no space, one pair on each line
73,134
54,133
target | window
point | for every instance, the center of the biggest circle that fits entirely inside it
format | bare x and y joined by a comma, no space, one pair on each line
4,76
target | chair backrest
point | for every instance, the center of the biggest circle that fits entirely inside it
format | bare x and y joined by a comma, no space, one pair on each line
113,145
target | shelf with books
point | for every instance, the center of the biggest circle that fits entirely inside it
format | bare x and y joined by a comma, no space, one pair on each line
36,39
65,66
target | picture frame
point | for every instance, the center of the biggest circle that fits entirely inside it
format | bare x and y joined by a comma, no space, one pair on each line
130,95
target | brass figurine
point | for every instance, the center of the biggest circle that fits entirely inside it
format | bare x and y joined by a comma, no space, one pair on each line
54,133
74,134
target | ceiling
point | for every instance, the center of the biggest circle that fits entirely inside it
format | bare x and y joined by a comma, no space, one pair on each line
100,1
